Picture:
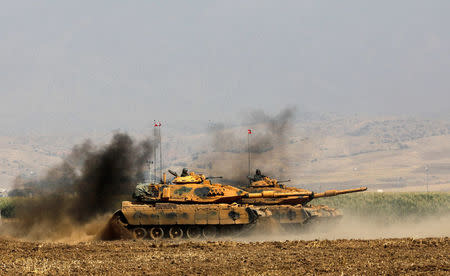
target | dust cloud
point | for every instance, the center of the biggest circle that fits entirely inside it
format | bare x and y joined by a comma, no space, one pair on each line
75,196
355,227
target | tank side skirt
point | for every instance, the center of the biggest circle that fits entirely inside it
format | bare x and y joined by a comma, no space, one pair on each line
170,214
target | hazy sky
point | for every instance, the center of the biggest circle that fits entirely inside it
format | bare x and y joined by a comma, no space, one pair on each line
124,63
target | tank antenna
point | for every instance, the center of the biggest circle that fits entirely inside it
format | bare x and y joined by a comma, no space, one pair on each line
155,147
157,135
249,132
149,163
160,151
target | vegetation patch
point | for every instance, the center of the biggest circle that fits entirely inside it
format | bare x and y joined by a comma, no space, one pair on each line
391,207
7,207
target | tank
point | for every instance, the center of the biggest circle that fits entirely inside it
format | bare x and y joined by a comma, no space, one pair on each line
191,206
271,184
294,212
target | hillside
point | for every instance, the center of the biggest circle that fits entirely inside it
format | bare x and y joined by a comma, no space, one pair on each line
319,152
323,154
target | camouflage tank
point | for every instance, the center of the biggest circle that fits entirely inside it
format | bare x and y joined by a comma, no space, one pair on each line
293,211
192,207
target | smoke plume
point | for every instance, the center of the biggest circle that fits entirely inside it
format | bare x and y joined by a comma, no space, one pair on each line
270,131
269,134
86,185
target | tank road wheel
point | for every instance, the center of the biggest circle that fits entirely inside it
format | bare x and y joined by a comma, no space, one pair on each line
209,232
139,233
175,232
156,233
193,232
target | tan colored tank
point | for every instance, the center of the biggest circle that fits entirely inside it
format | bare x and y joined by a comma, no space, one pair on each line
271,184
293,212
191,207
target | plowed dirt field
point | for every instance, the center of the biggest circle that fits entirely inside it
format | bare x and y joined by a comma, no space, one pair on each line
363,257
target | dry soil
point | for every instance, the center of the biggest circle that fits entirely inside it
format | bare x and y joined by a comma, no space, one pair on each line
336,257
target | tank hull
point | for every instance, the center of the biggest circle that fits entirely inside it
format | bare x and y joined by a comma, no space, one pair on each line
187,214
176,221
299,215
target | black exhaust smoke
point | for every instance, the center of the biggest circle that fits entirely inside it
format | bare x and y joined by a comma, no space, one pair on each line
88,183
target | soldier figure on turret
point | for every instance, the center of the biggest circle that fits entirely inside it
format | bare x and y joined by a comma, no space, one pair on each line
258,176
184,172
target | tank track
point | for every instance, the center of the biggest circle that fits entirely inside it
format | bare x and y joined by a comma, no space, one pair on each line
119,229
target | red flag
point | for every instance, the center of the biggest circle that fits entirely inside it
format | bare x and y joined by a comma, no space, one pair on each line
249,131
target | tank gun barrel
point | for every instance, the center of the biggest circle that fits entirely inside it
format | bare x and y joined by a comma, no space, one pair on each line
283,181
272,194
173,173
339,192
213,177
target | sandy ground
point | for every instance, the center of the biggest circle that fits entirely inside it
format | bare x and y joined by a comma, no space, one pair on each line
337,257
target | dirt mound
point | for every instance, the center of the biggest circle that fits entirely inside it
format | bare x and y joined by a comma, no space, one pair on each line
114,230
363,257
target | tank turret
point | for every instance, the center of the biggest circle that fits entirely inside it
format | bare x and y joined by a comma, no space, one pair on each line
267,182
192,178
204,192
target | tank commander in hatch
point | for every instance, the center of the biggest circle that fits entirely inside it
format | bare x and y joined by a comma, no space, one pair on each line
258,176
184,172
